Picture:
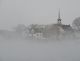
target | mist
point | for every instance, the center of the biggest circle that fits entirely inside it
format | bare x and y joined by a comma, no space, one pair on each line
26,50
13,12
15,44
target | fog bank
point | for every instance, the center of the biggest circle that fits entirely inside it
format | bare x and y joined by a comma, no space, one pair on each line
25,50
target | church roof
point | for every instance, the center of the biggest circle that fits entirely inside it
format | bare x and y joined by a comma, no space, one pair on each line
66,27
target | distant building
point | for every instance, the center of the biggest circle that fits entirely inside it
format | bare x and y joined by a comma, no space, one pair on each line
58,30
66,30
54,31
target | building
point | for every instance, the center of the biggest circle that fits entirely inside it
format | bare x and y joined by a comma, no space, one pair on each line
52,31
65,31
58,30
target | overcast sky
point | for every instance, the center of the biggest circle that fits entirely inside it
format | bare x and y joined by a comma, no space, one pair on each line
13,12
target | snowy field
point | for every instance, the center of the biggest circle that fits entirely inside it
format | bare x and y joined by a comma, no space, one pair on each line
25,50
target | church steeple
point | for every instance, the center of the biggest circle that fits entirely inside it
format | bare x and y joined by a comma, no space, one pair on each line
59,17
59,14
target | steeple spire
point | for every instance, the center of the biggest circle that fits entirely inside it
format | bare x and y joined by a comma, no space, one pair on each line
59,14
59,18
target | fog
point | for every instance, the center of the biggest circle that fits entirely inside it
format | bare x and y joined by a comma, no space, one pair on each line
27,50
13,12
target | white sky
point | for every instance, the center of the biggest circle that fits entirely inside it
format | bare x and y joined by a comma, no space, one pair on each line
13,12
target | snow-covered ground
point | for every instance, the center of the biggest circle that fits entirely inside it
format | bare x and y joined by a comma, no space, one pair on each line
25,50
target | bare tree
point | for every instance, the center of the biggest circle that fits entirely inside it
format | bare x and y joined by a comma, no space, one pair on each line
76,23
20,28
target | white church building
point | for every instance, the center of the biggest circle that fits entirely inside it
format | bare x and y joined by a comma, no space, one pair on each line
57,30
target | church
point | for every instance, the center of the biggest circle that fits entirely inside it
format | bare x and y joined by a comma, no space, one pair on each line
63,26
59,30
65,30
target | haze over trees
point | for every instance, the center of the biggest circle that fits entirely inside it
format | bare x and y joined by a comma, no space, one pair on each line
76,23
43,31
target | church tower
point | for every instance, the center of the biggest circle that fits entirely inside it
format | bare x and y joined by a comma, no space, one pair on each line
59,18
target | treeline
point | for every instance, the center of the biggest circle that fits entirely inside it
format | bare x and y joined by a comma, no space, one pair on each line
39,31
